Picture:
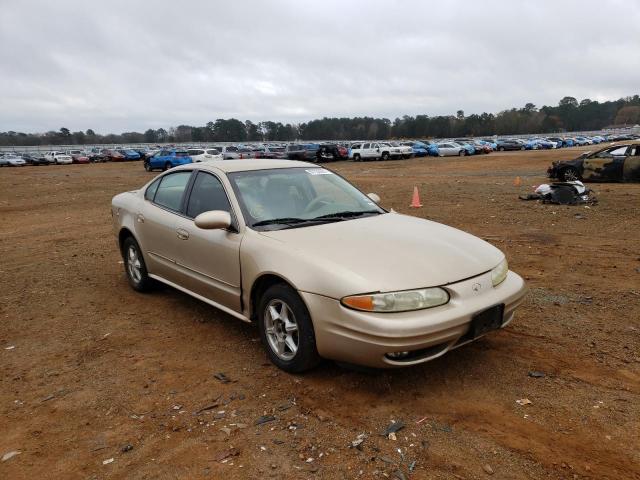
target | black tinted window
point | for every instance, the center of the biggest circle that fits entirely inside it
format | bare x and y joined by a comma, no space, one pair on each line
171,189
207,194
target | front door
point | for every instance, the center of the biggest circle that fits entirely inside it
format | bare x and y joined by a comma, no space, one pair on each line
209,260
605,166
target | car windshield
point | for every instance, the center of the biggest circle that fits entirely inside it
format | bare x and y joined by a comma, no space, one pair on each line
282,198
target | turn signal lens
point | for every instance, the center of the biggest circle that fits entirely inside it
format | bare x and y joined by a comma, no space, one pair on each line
499,273
359,303
404,301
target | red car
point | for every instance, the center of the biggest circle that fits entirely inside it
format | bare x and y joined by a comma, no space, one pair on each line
78,156
112,155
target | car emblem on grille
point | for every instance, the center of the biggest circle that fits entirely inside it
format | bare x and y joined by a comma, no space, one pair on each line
476,287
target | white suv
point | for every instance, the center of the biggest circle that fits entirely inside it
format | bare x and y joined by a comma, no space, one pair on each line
58,158
361,151
204,154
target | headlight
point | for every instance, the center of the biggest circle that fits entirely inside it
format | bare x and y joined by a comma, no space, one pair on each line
398,301
499,273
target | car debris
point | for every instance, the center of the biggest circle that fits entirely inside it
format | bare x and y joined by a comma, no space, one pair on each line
10,455
222,377
536,374
393,427
358,441
107,461
524,401
264,419
563,193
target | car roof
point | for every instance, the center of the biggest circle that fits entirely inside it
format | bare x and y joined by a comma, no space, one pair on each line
245,165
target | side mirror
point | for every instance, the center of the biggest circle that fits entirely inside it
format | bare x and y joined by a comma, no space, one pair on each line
374,197
213,220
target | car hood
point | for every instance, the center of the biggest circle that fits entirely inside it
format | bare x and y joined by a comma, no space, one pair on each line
391,251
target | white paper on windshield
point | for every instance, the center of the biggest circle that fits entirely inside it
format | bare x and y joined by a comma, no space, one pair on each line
318,171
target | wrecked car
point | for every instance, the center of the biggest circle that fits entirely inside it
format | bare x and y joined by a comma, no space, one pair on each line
618,163
319,266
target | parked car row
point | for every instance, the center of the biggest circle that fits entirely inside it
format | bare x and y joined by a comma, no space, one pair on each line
164,157
538,143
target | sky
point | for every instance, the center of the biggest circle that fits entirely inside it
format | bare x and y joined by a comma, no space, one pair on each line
117,66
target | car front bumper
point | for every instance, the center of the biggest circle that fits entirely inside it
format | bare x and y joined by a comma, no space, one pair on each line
365,338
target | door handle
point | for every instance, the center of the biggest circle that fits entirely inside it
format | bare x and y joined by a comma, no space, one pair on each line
182,234
140,218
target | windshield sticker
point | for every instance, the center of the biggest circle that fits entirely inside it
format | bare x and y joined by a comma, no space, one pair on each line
318,171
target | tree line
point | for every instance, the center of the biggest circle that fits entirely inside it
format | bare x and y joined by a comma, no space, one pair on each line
569,115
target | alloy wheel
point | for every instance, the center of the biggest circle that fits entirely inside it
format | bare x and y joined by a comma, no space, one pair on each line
134,266
281,329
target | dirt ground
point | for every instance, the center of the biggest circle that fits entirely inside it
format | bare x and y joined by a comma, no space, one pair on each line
93,371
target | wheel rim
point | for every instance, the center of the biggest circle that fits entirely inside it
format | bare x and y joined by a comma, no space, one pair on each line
134,266
281,329
570,175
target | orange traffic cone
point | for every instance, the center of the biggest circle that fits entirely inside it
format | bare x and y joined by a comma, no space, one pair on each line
415,201
517,182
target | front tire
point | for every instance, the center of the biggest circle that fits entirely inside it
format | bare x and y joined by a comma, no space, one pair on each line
167,166
135,267
462,153
385,156
147,166
569,174
286,329
356,157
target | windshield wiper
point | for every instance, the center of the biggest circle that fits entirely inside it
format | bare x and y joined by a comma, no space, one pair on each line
283,221
347,214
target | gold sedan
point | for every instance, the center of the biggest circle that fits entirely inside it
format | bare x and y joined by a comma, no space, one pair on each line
323,270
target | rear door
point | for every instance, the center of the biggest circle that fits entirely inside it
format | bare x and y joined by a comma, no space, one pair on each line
157,221
208,261
367,151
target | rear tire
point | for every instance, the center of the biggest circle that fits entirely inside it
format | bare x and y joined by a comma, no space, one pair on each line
147,166
356,157
167,166
522,147
134,266
285,325
462,153
501,149
385,156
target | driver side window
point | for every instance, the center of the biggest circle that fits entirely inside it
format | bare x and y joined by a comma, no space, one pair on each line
207,194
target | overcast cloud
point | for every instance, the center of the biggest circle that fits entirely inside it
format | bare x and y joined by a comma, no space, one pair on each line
130,65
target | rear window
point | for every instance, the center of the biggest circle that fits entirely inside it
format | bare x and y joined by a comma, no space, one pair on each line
196,152
169,193
151,190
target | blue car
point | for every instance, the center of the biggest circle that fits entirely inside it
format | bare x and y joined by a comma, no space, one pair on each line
491,143
419,148
129,154
467,145
166,159
432,147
